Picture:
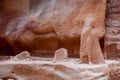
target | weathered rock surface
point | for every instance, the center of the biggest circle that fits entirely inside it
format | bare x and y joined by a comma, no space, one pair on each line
112,37
114,71
45,69
24,55
90,50
55,24
10,10
60,55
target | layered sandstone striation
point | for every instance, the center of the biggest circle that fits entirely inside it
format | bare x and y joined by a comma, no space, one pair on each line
114,71
46,69
112,37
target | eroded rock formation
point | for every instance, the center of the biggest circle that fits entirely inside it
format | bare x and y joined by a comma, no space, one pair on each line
47,70
10,10
53,24
90,50
112,37
114,71
44,26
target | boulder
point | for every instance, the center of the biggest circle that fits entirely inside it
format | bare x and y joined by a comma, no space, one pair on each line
10,79
24,55
60,55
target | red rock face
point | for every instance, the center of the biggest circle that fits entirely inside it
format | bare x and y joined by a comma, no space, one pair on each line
54,24
112,37
9,10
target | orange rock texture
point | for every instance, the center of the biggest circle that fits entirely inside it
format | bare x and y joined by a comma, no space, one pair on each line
44,26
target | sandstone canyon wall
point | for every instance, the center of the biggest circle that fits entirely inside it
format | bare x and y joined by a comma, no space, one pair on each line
42,26
9,10
112,37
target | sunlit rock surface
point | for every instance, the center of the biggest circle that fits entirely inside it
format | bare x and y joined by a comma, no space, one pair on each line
46,69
